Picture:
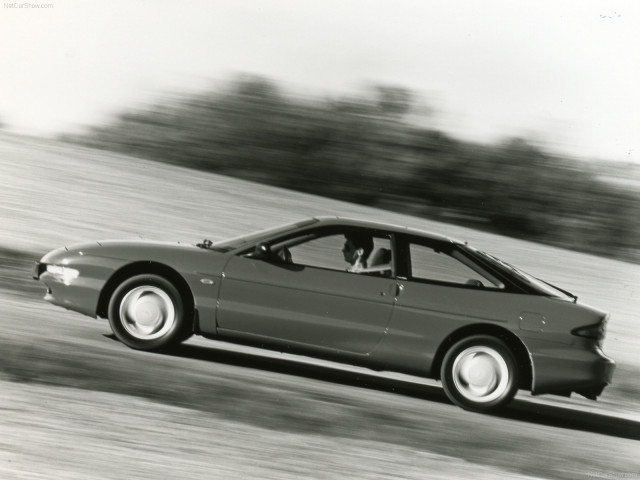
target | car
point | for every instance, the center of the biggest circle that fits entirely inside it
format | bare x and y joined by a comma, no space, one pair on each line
385,297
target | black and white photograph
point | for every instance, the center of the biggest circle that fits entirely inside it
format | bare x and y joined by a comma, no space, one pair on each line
302,239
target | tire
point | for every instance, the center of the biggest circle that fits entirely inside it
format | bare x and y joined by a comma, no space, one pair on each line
147,312
480,373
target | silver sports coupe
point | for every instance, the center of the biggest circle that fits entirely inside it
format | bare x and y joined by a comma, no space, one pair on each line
370,294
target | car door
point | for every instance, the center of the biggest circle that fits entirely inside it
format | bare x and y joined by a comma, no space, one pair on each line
312,301
440,290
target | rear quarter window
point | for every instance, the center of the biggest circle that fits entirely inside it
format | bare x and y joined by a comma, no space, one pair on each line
428,264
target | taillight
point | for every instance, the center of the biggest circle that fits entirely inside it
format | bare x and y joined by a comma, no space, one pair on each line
596,331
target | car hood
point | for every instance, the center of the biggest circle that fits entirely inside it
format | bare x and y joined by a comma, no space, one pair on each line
131,249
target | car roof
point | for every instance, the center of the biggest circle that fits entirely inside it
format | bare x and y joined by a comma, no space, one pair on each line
346,221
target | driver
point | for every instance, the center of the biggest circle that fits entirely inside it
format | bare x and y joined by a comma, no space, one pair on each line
356,250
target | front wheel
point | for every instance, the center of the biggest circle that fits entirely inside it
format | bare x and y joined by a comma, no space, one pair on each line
147,312
480,373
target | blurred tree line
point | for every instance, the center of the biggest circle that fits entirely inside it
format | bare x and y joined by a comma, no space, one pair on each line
365,149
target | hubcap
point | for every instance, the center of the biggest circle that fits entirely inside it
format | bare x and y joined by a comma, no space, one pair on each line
147,312
480,374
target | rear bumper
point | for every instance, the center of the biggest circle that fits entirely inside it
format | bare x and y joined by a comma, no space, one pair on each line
565,370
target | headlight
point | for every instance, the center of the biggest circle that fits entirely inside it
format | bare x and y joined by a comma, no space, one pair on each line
65,274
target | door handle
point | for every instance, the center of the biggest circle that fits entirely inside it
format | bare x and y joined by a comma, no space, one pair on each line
399,289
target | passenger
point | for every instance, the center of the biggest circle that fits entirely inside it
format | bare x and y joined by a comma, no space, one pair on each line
356,250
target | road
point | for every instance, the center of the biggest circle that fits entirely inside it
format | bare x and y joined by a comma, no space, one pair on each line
77,404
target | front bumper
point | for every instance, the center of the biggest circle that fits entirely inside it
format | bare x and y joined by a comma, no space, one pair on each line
38,269
80,295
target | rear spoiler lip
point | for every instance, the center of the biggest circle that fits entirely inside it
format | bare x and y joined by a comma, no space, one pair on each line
568,294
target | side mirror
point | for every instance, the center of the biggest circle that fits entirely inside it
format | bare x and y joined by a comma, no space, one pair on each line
262,250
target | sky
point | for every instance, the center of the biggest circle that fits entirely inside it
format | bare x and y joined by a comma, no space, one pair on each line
561,73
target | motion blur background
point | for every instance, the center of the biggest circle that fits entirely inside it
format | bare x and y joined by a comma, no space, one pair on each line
518,119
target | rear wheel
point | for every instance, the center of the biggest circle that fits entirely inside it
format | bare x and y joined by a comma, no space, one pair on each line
480,373
147,312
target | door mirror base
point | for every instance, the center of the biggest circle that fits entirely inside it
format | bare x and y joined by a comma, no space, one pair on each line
263,250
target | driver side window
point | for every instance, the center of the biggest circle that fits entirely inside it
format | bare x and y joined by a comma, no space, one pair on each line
323,252
329,252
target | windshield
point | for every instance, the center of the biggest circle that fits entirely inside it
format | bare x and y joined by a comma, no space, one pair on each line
541,286
250,238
